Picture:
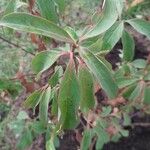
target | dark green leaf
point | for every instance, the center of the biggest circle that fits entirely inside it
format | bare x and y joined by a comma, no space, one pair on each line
147,95
112,36
128,46
33,100
34,24
101,72
86,88
139,63
43,107
87,139
61,5
69,98
141,26
108,18
48,10
43,60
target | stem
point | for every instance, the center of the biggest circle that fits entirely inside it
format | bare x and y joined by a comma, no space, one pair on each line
15,45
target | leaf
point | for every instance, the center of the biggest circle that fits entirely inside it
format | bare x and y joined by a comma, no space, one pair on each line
101,72
61,5
106,111
72,33
128,46
25,140
54,109
136,92
139,63
112,36
147,95
126,81
43,107
22,115
87,139
103,137
37,127
54,79
141,26
86,88
34,24
108,18
48,10
69,98
33,100
50,145
126,119
43,60
120,5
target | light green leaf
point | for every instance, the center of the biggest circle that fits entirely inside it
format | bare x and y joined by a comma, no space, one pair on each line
87,139
101,72
139,63
126,119
141,26
125,81
43,60
112,36
43,107
69,98
48,10
33,100
103,137
50,145
26,140
108,18
22,115
128,46
34,24
72,33
54,107
120,5
147,95
86,88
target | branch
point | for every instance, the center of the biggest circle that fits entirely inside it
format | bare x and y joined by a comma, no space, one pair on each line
15,45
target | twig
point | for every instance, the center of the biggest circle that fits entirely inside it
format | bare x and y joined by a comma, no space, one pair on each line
15,45
141,124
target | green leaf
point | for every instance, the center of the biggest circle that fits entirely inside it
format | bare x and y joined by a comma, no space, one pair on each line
108,18
125,81
124,133
87,139
43,107
34,24
54,79
33,100
128,46
86,88
22,115
126,119
38,127
147,95
141,26
50,145
139,63
136,92
69,98
106,111
48,10
25,140
112,36
103,137
54,109
61,5
72,33
120,5
43,60
101,72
